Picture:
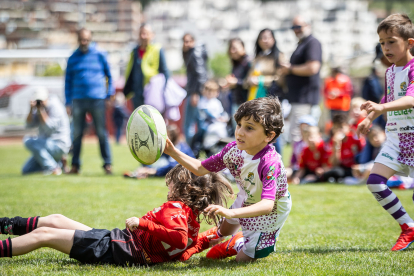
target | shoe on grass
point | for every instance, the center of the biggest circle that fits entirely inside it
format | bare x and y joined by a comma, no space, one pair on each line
405,239
225,249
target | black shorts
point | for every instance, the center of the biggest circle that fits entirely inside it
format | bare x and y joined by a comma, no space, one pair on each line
92,247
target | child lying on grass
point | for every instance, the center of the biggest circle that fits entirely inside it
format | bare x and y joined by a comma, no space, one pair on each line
168,233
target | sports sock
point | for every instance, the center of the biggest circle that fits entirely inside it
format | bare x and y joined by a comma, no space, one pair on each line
6,248
18,225
387,199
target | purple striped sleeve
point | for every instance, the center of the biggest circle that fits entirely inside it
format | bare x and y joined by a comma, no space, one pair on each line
215,163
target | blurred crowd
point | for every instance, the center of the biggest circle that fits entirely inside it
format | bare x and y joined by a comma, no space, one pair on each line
322,150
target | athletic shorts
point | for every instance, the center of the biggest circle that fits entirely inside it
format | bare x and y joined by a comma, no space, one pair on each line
258,244
388,156
92,247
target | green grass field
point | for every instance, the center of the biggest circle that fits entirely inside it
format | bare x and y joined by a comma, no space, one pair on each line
332,229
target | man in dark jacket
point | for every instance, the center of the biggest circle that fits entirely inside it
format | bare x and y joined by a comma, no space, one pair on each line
146,61
195,60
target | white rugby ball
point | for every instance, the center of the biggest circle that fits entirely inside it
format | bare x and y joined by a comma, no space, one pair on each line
146,134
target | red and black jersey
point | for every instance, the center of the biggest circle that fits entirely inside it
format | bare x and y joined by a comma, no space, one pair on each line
169,232
313,159
351,146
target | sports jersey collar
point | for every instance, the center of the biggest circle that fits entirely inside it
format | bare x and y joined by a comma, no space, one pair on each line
260,153
408,63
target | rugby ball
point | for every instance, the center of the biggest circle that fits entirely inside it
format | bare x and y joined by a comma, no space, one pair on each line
146,134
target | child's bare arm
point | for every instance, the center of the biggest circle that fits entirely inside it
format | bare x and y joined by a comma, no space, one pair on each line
263,207
192,164
400,104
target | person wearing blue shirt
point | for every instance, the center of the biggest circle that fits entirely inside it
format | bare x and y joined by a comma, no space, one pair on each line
88,85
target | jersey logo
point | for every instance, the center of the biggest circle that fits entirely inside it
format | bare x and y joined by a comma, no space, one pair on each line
270,174
142,143
403,86
412,82
316,155
386,155
250,178
177,205
388,90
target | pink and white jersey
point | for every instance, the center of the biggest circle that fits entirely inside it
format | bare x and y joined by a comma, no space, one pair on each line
258,177
399,82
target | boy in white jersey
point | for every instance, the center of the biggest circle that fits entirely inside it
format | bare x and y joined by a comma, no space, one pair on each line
263,202
396,36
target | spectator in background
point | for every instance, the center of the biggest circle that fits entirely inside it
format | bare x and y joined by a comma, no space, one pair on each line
241,66
119,115
88,85
342,150
337,92
302,76
265,70
212,119
264,77
372,89
375,140
195,60
53,141
356,115
305,122
146,61
313,162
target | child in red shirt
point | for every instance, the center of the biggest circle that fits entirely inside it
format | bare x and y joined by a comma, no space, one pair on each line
313,162
167,233
342,149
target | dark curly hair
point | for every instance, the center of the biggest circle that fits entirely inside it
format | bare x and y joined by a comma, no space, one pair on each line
265,111
197,192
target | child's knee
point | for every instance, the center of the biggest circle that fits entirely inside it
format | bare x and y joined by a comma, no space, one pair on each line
51,220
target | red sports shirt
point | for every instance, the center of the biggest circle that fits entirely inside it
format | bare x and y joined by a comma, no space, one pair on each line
169,232
351,146
313,159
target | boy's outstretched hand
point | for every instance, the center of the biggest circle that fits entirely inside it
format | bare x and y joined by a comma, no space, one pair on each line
132,223
169,147
219,210
372,107
363,127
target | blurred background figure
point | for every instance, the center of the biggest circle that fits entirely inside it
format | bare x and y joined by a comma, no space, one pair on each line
165,163
212,120
53,140
302,76
305,122
195,61
264,78
313,161
146,61
337,92
342,149
88,85
265,75
119,115
240,68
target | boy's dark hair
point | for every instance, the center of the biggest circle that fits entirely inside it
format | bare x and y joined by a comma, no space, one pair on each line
197,192
339,119
401,23
266,111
